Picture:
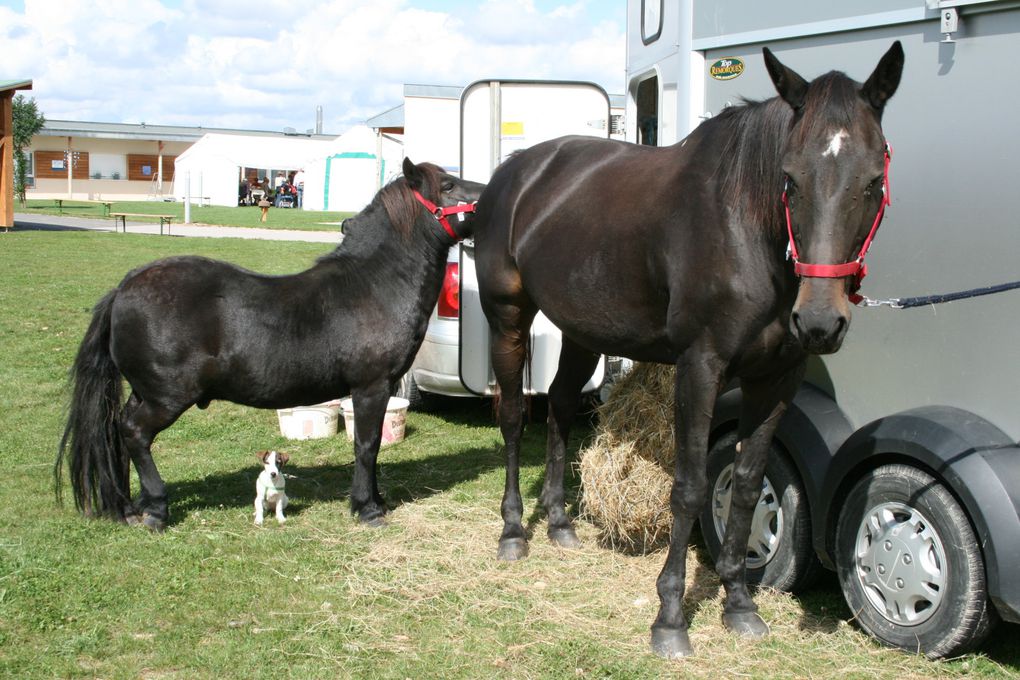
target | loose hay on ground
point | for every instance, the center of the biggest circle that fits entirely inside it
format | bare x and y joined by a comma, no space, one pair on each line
627,470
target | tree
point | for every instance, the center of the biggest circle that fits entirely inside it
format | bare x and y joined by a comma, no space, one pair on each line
27,122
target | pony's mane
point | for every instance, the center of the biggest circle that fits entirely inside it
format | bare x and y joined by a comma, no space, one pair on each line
758,133
399,202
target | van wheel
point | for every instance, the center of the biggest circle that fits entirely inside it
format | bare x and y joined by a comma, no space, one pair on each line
910,566
779,551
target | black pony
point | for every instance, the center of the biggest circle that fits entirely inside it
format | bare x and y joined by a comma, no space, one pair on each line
679,256
184,331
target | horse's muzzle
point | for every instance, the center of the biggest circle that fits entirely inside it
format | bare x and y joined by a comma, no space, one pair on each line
821,315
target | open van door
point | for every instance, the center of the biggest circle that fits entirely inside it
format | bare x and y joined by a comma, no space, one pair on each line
497,118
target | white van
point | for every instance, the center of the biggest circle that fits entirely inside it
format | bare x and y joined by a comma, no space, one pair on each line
498,118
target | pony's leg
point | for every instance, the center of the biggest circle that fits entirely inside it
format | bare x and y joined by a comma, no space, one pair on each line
140,422
697,383
510,325
575,368
763,404
369,412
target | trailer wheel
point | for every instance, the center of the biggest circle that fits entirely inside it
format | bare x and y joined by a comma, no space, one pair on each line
779,552
910,566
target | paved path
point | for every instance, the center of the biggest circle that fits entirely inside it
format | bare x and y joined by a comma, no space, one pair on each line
67,223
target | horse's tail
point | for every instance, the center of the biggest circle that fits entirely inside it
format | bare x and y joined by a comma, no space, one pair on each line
98,464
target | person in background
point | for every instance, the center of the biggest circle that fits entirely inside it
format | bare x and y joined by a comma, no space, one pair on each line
244,192
299,182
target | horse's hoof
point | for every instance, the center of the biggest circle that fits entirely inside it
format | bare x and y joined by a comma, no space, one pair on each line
671,643
154,524
374,522
746,624
512,549
565,538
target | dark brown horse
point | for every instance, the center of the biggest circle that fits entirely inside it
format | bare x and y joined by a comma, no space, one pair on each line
187,330
679,255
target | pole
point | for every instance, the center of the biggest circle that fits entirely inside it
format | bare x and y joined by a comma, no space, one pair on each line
159,169
187,197
70,164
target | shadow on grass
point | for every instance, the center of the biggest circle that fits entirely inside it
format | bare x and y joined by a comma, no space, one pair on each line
400,482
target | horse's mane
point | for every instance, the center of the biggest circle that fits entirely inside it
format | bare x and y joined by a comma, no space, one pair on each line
758,132
399,202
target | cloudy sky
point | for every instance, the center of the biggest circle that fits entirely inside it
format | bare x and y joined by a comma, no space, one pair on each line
265,65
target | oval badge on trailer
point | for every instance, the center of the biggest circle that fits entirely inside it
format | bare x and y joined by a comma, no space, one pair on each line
726,68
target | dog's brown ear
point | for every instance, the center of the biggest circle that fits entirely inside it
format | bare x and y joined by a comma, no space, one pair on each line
261,456
282,458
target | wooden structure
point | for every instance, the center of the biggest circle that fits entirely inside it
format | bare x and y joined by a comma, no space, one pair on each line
8,88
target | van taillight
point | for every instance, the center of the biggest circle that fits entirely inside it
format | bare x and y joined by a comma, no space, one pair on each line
449,297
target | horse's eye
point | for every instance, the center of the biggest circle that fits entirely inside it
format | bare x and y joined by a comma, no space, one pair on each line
447,187
874,186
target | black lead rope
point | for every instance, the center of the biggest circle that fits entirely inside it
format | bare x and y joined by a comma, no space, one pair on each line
925,300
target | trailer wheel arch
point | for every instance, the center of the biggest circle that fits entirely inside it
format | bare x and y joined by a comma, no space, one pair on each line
972,458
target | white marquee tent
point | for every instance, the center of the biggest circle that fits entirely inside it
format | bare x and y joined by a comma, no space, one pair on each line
214,163
357,164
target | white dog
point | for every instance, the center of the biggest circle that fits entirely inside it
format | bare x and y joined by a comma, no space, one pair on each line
269,491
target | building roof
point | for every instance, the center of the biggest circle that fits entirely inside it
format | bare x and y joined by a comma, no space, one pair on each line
8,85
392,118
165,133
434,91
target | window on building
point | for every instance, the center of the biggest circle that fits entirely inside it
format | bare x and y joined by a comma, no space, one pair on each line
107,166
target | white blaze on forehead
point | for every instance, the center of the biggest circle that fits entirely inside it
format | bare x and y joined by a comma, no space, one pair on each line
836,143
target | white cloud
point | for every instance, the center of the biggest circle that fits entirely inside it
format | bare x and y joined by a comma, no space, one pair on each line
234,63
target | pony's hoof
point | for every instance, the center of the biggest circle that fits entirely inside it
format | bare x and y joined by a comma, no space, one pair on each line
565,538
746,624
671,643
153,523
512,549
374,521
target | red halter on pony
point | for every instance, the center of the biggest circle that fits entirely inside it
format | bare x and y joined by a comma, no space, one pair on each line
442,213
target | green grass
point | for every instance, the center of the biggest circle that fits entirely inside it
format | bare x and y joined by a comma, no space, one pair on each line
242,216
321,597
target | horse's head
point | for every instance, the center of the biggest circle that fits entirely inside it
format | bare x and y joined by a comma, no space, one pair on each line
835,165
449,198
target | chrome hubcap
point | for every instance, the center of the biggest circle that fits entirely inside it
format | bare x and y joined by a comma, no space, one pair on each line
766,524
900,563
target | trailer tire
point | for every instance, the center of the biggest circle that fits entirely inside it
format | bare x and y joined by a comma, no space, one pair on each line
910,566
780,553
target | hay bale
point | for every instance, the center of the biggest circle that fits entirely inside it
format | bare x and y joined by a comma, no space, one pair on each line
627,470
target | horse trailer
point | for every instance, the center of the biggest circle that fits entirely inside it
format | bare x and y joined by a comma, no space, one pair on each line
897,465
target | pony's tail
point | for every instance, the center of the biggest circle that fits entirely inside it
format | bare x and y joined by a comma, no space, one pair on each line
98,465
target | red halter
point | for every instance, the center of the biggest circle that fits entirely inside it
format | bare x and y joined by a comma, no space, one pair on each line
856,268
441,213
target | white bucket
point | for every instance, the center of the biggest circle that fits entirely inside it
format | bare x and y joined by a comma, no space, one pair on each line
310,422
393,423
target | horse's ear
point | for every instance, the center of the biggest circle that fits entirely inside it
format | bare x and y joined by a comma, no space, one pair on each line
790,86
882,84
414,176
